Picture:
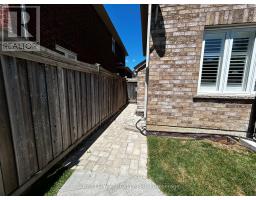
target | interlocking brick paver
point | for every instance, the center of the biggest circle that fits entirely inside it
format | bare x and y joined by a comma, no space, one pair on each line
118,156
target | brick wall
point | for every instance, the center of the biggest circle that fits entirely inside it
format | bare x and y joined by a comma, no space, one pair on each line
77,28
80,29
174,69
140,91
3,16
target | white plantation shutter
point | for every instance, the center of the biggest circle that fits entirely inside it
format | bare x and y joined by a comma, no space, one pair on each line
239,61
210,70
227,62
212,59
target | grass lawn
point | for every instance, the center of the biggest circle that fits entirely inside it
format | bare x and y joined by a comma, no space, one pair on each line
201,167
54,189
51,184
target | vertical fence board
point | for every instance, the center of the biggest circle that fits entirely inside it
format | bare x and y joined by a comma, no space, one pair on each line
1,183
40,111
118,94
44,110
93,100
89,101
110,95
20,118
66,71
104,97
113,93
84,103
96,99
107,97
103,85
78,103
54,109
114,99
72,105
63,109
101,97
7,157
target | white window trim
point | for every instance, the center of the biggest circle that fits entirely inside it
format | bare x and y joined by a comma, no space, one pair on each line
252,72
66,52
224,75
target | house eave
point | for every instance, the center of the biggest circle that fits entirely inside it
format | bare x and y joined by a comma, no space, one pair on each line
101,11
144,24
140,66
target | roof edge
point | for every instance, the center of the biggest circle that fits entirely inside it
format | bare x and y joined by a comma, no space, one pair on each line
101,11
140,66
144,24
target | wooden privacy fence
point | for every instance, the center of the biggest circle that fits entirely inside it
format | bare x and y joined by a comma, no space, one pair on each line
48,105
132,90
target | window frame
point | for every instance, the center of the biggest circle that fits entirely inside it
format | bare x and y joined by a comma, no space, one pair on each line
113,46
66,52
218,78
221,85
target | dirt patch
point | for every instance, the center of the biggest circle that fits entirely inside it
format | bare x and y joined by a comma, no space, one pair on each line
229,145
219,141
199,136
183,176
223,140
183,142
239,191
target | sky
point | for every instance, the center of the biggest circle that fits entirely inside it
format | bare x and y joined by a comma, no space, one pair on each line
126,19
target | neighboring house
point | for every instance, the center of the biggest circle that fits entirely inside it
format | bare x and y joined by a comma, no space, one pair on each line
125,72
201,72
140,72
82,32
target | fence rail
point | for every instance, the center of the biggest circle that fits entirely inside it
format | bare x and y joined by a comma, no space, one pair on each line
48,105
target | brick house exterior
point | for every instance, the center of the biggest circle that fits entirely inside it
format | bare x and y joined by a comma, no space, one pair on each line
140,73
3,17
176,43
85,30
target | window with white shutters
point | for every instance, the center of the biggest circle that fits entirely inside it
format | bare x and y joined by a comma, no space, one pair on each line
239,61
227,64
213,50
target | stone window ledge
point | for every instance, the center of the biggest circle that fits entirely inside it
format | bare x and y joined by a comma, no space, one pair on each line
218,96
247,99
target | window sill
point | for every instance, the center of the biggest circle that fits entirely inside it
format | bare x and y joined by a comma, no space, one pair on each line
227,98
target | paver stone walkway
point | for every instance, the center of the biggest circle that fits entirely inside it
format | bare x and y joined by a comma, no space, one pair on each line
115,164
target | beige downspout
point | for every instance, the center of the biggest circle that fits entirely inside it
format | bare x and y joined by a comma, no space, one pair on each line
147,62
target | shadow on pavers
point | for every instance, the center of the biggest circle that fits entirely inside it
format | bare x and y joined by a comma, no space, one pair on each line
43,185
